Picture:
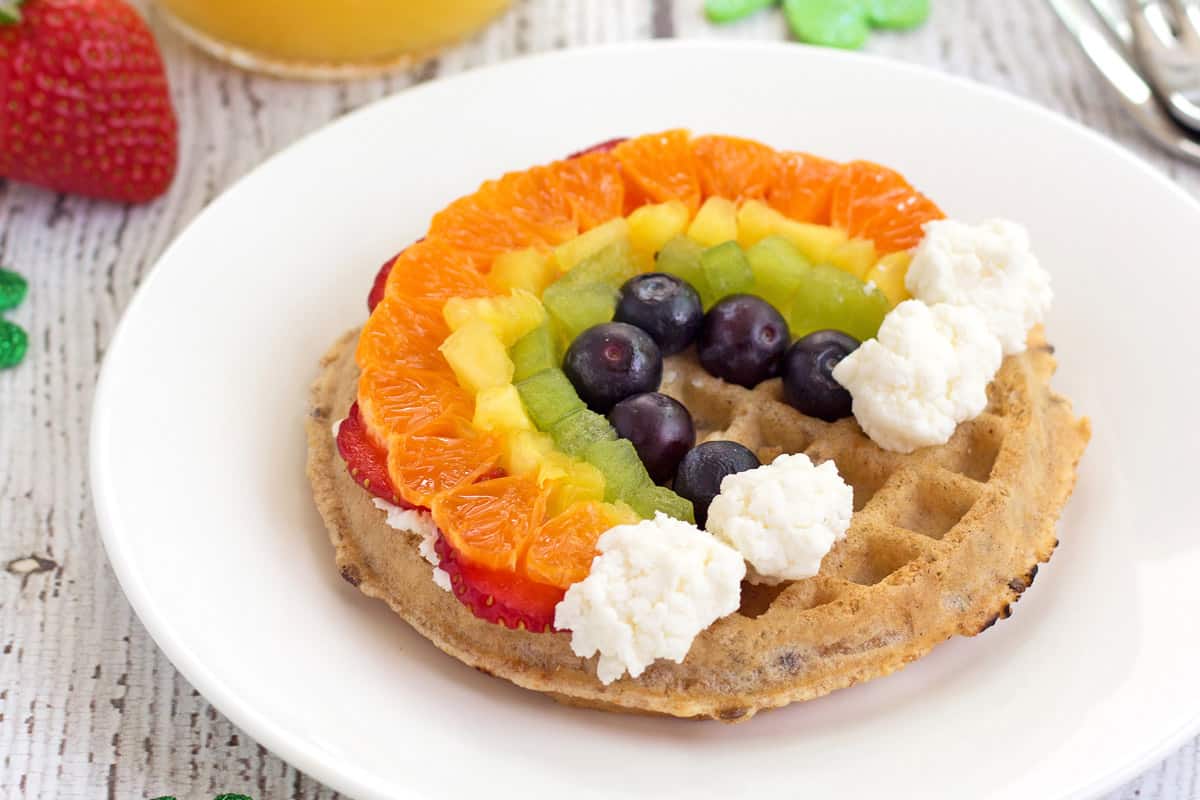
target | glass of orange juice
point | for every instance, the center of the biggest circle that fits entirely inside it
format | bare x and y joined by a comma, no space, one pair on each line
324,39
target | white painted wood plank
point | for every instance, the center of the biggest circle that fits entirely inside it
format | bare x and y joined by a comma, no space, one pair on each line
88,706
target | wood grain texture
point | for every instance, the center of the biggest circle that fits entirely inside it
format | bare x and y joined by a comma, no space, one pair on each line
89,708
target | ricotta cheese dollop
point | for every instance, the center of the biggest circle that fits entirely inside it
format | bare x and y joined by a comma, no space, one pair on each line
652,589
411,520
926,371
990,266
783,517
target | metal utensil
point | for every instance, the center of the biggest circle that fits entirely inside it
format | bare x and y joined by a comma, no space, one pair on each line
1116,66
1166,40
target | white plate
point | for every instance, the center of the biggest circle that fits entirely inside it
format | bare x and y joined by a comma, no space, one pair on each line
198,451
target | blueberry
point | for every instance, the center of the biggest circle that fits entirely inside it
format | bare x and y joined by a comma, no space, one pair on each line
808,383
609,362
660,428
742,340
664,306
705,466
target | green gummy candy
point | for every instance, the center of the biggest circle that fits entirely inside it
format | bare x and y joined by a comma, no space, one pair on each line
897,14
726,271
14,343
533,352
831,23
645,502
548,397
574,433
12,289
733,10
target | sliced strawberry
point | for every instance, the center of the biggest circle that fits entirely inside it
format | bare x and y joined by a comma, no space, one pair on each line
381,278
365,460
602,147
501,597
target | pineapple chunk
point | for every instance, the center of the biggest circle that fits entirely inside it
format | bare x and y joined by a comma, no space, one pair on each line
531,270
621,514
888,275
716,222
571,252
526,451
650,227
856,256
478,357
757,220
583,482
511,316
499,408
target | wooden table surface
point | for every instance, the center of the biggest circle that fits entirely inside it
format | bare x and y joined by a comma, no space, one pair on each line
88,705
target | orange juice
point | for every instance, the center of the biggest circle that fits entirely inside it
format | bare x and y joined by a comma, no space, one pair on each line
327,36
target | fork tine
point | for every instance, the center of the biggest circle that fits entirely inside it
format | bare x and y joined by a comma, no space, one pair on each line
1151,27
1187,18
1117,23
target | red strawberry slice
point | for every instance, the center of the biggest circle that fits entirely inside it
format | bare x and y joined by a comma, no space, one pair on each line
380,284
365,460
501,597
602,147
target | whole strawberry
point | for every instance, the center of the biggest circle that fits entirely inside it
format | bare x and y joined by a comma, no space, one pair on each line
84,106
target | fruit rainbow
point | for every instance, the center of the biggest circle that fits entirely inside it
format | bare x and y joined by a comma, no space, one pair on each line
461,406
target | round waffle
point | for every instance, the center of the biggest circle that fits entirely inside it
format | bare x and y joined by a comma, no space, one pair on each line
941,543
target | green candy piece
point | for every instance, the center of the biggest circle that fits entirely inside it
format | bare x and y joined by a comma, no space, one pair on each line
732,10
897,14
14,342
830,23
12,289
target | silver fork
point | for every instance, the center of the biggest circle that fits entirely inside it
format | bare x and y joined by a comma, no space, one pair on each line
1107,46
1166,39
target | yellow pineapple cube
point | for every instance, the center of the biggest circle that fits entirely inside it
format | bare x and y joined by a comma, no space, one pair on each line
554,469
650,227
571,252
582,482
531,270
888,275
757,220
856,256
715,222
621,514
525,451
499,408
478,356
510,316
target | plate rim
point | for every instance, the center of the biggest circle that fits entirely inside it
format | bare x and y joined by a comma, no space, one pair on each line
311,760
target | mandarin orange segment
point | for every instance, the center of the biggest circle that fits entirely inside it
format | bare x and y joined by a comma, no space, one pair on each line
434,270
900,226
480,229
736,169
438,457
490,522
561,551
870,198
659,167
537,199
592,184
803,187
401,400
402,332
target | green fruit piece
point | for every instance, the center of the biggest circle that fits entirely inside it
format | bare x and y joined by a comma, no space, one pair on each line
733,10
573,434
548,397
831,298
726,270
14,343
624,473
897,14
830,23
681,257
12,289
659,498
577,307
778,269
534,352
613,265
